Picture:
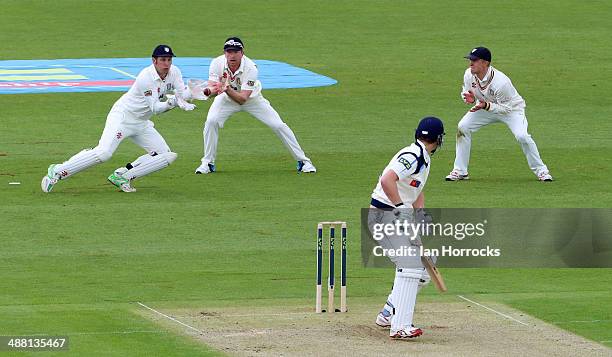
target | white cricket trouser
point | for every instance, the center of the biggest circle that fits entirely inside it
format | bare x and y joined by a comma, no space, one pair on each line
259,107
141,132
393,241
407,275
515,120
117,128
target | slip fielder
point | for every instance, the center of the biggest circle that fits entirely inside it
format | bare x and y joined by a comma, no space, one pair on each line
157,89
494,99
233,78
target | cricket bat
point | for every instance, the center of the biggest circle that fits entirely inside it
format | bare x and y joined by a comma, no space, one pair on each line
434,274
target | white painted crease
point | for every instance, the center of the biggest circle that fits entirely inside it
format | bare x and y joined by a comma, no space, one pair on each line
579,321
495,311
291,314
170,318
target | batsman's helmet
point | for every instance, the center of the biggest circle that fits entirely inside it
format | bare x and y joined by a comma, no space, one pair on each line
432,129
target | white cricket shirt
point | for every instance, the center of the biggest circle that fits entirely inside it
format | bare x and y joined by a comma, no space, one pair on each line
142,100
245,77
495,88
405,164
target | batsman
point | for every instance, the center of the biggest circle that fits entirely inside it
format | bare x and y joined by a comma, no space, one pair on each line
398,198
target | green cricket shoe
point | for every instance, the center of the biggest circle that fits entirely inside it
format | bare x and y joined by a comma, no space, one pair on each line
121,182
50,179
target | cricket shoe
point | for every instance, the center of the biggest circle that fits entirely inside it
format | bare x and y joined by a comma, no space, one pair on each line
406,333
50,179
205,168
545,176
383,319
121,182
306,166
456,176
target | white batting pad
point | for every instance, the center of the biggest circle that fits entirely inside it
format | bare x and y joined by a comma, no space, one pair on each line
79,162
148,164
425,279
140,160
403,295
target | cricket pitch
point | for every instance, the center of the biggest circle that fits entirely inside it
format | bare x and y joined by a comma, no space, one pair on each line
450,328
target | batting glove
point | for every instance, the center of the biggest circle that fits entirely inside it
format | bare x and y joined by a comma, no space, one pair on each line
404,214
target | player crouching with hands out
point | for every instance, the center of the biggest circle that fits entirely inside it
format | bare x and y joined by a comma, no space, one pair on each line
493,99
157,89
233,78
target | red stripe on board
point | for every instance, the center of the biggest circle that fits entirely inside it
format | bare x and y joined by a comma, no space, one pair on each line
111,83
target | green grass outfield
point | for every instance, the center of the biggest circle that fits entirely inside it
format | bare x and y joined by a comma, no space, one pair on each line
75,261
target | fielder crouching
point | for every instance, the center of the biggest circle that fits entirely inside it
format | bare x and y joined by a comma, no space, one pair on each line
397,196
157,89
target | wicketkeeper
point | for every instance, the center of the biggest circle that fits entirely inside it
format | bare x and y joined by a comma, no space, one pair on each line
157,89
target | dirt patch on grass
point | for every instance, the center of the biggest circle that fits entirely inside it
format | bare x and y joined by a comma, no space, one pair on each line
457,329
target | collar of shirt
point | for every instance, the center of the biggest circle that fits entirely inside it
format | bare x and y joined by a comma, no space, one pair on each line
425,152
155,76
487,76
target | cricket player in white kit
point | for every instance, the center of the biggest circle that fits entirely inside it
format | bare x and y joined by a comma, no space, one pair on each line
233,78
157,89
494,99
397,197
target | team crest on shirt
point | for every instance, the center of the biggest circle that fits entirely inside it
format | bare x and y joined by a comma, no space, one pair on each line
404,162
491,92
148,93
251,83
415,183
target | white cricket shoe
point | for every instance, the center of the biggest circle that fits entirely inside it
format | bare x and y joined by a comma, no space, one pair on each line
50,179
205,168
456,176
406,333
382,320
121,182
306,166
545,176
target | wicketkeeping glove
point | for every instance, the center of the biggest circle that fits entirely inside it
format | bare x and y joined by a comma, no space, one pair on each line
184,105
171,100
197,88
